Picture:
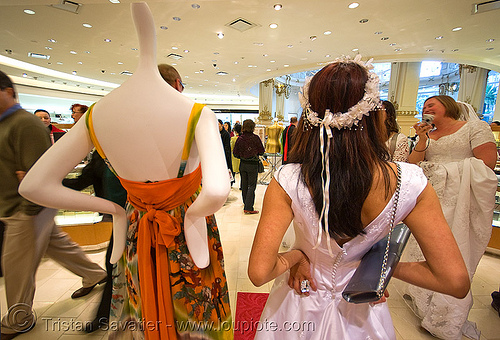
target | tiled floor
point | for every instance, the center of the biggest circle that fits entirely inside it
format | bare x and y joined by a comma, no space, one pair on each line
56,310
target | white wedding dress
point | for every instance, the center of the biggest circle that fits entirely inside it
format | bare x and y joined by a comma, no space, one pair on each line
324,314
466,189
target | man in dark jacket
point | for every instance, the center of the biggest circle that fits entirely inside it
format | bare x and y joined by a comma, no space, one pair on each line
287,138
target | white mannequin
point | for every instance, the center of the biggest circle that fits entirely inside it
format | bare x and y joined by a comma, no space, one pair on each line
141,127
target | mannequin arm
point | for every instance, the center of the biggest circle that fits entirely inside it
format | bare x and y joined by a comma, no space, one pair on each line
215,189
43,183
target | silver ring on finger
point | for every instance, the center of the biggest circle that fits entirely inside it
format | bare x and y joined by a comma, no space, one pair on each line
304,286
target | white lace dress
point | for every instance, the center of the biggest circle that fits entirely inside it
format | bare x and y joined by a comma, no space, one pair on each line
324,314
466,189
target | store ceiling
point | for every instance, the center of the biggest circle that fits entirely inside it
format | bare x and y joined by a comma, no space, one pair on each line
396,30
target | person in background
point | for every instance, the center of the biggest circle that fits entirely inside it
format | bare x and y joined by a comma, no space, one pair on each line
77,111
346,150
287,138
171,76
235,161
397,142
227,127
226,143
30,231
457,157
248,148
45,117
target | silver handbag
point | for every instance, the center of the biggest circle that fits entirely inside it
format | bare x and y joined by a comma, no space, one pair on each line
377,266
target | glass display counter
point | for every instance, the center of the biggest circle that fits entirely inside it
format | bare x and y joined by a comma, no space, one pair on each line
86,228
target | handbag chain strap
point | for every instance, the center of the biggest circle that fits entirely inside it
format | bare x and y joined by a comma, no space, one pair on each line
383,274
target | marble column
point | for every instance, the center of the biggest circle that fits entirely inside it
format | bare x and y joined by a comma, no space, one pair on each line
403,89
472,88
266,89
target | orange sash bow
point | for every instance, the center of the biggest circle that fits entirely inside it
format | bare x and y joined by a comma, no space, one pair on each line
157,230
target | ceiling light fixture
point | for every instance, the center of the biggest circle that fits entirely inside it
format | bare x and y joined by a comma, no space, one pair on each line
220,35
456,29
439,37
258,44
186,51
134,49
38,55
353,5
175,47
48,47
289,46
72,52
355,49
29,11
327,56
272,61
73,73
195,6
397,50
455,50
52,40
163,27
120,63
392,44
286,65
309,51
490,48
268,70
313,37
80,63
378,32
236,63
114,1
107,40
222,73
25,75
327,32
277,7
87,25
176,18
273,26
490,40
384,38
363,21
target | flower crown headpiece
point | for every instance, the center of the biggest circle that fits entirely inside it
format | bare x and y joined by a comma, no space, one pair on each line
338,120
343,120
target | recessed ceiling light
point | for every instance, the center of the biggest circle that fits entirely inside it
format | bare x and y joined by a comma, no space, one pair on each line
38,55
59,63
363,21
313,37
355,49
429,50
456,29
201,71
176,19
327,56
29,11
289,46
222,73
327,32
216,53
392,44
134,49
268,70
234,80
236,63
490,40
164,27
107,40
273,26
80,63
186,76
220,35
174,64
455,50
25,75
87,25
384,38
195,6
74,73
397,50
490,48
265,55
272,61
309,51
72,52
378,32
286,65
114,1
278,7
353,5
120,63
186,51
88,52
52,40
175,47
439,37
258,44
48,47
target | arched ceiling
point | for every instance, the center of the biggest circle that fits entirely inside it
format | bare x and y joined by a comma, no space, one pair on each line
395,30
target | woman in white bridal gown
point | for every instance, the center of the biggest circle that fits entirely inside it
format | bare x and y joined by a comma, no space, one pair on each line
457,157
342,158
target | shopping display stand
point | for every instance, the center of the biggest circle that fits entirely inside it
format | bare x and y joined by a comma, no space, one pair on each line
274,160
